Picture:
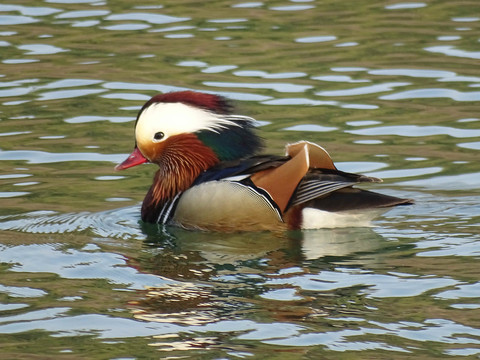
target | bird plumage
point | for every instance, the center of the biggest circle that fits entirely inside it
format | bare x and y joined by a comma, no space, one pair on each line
211,177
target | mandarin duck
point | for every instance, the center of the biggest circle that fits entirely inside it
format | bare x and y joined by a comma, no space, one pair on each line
211,176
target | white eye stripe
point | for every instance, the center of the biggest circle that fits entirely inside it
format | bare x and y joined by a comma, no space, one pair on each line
177,118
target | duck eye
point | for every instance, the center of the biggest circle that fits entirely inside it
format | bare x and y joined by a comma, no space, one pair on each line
159,135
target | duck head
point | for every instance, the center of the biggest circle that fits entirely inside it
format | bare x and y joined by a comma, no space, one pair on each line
187,132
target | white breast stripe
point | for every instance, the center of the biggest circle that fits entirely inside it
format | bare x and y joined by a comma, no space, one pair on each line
164,207
169,210
164,214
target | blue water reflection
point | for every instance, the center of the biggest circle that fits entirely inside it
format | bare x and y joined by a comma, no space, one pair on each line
82,14
453,51
414,130
434,93
29,10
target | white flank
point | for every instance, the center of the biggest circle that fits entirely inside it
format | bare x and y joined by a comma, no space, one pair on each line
177,118
318,219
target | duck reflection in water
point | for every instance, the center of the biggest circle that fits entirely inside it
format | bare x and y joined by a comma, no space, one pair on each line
222,275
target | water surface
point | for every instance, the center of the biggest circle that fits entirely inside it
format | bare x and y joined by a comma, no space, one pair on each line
389,89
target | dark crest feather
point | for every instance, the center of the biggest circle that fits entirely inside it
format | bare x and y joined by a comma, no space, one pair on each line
233,141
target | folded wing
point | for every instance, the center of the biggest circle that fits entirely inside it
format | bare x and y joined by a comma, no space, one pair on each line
310,179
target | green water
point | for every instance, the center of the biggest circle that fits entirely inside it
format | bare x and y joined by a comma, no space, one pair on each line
390,89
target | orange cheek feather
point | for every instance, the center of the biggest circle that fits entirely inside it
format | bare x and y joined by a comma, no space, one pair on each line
181,159
153,151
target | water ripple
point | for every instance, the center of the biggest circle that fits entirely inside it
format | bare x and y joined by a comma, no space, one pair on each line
470,145
126,27
248,5
82,14
266,75
173,28
14,133
418,73
117,85
434,93
168,88
57,320
227,21
42,157
279,87
416,130
327,293
375,285
451,50
310,127
16,20
29,10
450,182
292,7
76,264
11,194
465,19
371,89
118,223
16,291
41,49
218,69
86,23
461,291
339,78
299,101
449,37
316,39
58,84
71,1
67,94
402,173
407,5
90,118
